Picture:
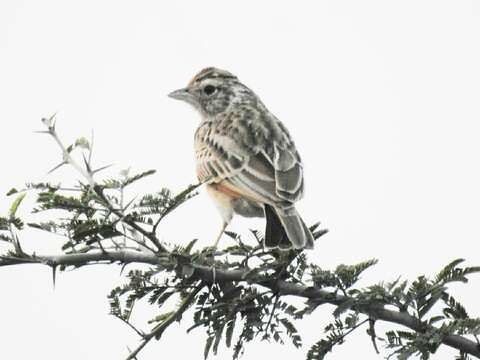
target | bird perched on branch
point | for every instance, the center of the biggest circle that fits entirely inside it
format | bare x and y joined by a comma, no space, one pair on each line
247,157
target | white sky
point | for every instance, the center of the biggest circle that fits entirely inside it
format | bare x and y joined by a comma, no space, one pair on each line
382,98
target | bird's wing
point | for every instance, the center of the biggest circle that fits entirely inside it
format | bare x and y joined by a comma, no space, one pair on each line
265,169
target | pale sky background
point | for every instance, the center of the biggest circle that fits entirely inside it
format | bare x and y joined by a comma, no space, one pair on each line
381,97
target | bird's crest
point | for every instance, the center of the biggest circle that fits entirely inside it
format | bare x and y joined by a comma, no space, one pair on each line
211,72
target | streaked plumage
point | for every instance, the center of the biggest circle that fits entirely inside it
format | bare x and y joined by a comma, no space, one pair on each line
247,156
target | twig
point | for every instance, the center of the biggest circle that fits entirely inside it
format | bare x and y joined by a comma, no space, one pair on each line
274,307
145,341
344,335
140,333
152,237
67,158
159,329
88,175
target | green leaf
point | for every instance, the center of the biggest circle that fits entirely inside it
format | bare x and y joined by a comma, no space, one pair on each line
92,230
435,295
186,250
434,319
452,272
447,270
82,142
161,318
49,226
6,238
134,178
218,337
4,223
16,203
12,191
229,332
344,306
180,198
349,274
454,309
208,345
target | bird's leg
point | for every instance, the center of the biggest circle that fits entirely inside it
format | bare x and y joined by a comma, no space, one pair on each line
224,226
214,248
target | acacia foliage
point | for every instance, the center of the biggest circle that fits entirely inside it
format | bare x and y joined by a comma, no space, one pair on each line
95,216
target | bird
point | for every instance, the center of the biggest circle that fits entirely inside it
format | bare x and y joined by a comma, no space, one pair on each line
246,157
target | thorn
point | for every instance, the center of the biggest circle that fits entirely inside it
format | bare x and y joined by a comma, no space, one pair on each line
57,167
53,121
50,122
123,268
52,128
54,275
373,336
42,132
129,203
101,168
90,153
87,165
130,351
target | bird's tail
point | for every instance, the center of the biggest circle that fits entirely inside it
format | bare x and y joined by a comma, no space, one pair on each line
286,229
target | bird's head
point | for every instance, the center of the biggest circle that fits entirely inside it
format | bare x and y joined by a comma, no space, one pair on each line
211,91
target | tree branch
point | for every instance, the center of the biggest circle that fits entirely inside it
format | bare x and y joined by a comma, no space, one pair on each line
149,235
159,329
88,174
210,274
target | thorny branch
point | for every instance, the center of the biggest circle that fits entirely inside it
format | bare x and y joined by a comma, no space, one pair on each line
207,274
88,174
201,274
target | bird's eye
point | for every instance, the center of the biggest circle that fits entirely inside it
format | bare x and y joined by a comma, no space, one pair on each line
209,89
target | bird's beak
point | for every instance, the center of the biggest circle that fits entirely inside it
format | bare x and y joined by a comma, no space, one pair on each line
182,94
